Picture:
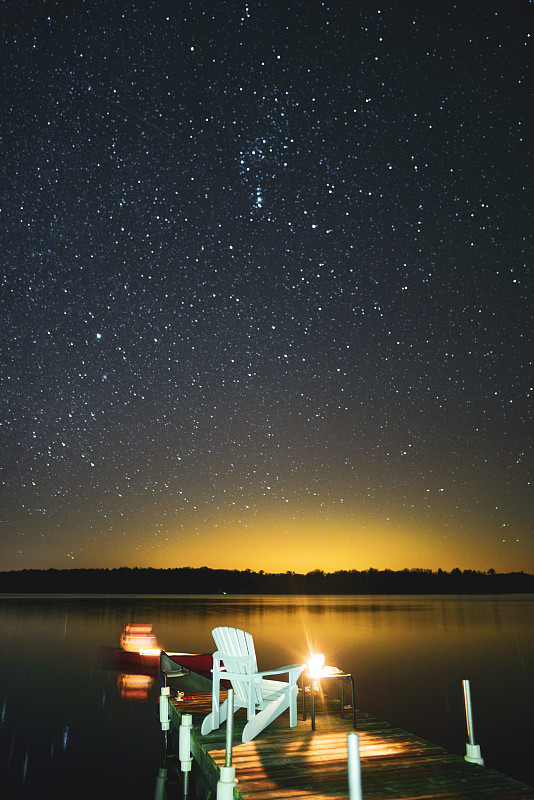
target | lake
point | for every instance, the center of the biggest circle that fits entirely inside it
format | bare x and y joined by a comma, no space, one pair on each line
69,725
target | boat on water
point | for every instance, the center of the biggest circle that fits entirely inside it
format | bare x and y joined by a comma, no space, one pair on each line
139,654
186,672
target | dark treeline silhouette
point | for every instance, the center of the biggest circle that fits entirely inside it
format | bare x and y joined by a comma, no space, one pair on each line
187,580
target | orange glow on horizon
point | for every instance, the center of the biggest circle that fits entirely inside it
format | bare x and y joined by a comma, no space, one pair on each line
276,544
277,541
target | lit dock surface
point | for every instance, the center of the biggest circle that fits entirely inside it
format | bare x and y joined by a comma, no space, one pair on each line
284,763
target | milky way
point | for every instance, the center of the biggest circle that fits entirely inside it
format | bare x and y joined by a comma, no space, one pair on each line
266,288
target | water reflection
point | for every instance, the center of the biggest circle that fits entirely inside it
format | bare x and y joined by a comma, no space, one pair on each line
134,687
61,713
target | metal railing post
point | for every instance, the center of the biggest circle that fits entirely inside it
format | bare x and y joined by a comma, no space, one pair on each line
473,754
229,728
227,781
354,766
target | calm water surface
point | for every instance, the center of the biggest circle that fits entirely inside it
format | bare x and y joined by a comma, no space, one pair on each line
69,726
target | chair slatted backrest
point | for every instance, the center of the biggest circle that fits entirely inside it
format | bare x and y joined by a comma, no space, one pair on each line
236,649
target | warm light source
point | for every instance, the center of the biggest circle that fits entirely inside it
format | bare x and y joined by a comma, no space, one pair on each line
316,665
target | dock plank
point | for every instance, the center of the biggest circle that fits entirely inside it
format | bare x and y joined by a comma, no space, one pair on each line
285,763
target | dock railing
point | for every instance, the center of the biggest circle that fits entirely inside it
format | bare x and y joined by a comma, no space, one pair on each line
354,766
473,754
227,781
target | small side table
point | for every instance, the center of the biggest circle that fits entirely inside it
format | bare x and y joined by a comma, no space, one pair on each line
330,673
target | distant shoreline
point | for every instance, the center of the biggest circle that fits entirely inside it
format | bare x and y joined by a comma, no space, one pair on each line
204,580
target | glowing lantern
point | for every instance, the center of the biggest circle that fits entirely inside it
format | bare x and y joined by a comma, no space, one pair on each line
316,665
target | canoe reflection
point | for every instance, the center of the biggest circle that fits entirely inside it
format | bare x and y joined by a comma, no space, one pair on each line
134,687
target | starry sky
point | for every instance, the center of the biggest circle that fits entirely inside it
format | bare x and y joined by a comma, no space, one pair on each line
266,290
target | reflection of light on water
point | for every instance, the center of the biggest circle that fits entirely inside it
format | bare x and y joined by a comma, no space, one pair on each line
3,716
134,687
65,737
25,767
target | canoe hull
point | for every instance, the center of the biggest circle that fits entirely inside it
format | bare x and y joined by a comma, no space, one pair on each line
192,671
182,672
131,662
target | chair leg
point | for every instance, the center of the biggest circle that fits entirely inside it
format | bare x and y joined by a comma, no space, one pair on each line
215,719
293,707
264,718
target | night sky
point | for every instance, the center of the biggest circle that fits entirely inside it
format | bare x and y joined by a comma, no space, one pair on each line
266,291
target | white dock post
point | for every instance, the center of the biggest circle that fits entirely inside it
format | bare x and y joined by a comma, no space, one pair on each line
354,766
227,781
473,755
184,748
164,699
184,743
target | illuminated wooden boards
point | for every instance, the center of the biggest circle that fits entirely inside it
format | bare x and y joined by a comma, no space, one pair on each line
284,763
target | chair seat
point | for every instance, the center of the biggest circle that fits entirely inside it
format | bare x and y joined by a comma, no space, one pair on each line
271,690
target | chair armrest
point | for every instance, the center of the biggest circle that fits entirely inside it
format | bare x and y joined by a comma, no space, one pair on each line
291,668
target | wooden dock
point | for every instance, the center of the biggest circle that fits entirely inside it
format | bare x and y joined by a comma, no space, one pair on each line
285,763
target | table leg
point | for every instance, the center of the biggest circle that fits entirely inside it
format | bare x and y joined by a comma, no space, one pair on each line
353,707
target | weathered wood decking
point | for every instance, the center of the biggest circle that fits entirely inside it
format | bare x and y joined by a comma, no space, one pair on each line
286,763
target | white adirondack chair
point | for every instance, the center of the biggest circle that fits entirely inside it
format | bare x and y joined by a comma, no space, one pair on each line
235,661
